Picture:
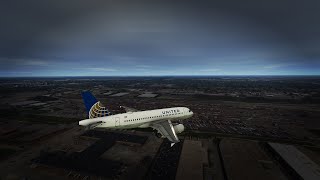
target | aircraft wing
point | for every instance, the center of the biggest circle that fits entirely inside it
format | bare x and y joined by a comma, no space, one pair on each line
129,109
166,129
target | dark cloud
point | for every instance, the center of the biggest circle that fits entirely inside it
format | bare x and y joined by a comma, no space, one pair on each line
24,22
295,22
62,34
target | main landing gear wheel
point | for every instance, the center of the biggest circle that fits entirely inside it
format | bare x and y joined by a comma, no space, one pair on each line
158,134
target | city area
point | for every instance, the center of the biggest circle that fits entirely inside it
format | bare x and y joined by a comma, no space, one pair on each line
243,127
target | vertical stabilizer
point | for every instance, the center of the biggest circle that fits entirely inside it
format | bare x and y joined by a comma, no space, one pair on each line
93,106
89,100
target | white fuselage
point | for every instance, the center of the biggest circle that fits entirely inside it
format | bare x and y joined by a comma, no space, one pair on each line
140,119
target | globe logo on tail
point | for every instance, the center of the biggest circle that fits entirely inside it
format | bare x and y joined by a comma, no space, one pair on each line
98,110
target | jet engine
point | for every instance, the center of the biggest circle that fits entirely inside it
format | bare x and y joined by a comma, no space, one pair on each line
179,128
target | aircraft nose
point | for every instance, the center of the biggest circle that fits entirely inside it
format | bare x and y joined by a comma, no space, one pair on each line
190,113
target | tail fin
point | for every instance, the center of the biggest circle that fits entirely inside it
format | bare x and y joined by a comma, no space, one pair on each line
93,106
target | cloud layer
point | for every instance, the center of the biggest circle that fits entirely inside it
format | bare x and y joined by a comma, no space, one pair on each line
49,38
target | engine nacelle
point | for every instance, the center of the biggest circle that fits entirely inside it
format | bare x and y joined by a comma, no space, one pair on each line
178,128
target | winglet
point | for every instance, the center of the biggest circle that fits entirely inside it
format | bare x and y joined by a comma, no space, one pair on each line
172,144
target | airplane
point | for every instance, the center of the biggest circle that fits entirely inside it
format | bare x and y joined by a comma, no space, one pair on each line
161,120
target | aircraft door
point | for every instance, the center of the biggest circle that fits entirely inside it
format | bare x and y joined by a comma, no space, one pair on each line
117,121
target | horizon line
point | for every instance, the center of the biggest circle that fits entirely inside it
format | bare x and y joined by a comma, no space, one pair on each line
151,76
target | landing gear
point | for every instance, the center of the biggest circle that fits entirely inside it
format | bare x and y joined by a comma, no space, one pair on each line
158,134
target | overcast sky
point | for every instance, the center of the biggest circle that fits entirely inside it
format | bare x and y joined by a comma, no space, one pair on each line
115,37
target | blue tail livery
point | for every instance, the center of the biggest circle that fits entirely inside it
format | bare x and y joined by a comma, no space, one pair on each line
93,106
